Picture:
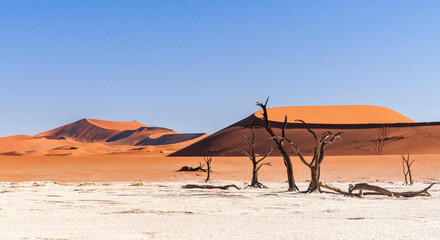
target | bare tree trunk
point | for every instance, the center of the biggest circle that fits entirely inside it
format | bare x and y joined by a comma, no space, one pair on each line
254,182
280,145
289,171
318,156
314,182
208,161
406,163
256,164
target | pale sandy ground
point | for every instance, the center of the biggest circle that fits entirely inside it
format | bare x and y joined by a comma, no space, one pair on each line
162,210
32,206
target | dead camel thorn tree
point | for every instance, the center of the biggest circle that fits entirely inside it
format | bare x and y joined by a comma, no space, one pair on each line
279,142
406,165
208,161
380,137
256,164
322,141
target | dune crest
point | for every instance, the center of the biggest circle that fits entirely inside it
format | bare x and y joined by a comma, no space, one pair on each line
340,114
116,125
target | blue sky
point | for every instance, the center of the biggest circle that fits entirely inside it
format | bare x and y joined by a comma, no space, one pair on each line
199,66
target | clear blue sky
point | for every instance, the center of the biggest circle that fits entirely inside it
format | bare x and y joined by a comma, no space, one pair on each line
199,66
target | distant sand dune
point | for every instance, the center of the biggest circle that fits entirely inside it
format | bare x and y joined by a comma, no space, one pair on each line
93,136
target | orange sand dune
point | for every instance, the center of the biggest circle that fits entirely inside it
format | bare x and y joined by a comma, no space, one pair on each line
15,138
357,139
90,130
34,144
344,114
116,125
116,136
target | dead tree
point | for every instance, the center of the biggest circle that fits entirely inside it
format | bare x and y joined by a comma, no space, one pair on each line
256,164
380,137
208,161
318,155
406,165
279,142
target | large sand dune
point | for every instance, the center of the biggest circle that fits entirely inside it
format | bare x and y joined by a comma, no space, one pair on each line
360,138
90,130
93,136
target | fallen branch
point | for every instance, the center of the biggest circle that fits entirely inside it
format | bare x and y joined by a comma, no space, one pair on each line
193,169
225,187
364,186
333,188
423,192
381,191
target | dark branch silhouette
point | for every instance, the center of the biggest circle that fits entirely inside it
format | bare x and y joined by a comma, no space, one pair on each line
279,143
256,163
208,161
322,141
406,165
193,169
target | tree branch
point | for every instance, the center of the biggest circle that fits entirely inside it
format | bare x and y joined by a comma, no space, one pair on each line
307,127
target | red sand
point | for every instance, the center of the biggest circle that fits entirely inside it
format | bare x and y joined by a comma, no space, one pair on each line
157,167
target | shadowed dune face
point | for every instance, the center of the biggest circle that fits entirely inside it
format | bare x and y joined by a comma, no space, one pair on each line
133,137
170,139
357,139
344,114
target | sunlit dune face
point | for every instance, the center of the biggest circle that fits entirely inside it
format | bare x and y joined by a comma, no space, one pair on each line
344,114
116,125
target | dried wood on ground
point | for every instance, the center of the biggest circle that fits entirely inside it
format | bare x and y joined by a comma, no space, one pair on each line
193,169
381,191
225,187
361,187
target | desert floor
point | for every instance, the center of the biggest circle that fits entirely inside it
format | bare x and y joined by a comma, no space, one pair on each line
158,167
162,210
92,197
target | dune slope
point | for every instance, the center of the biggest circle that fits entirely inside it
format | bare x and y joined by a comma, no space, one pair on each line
357,139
